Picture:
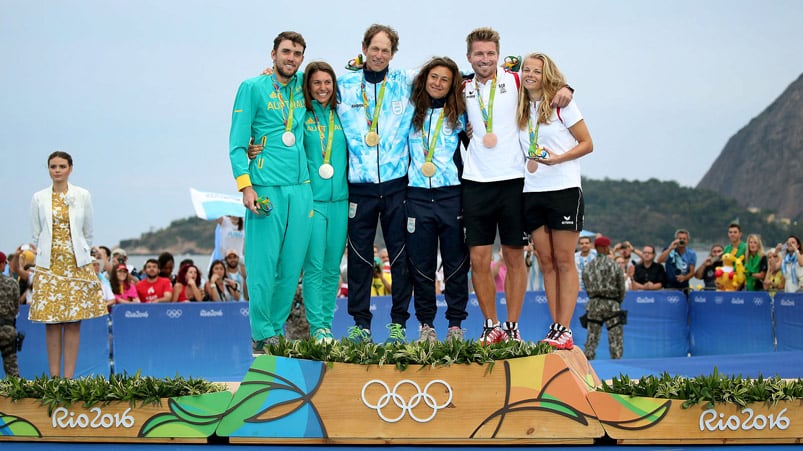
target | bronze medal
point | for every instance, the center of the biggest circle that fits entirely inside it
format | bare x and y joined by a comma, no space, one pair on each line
489,140
532,166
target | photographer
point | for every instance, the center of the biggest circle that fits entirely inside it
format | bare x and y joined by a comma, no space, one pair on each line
706,271
381,283
9,306
680,262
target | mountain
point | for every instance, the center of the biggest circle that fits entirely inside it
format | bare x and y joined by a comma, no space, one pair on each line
762,164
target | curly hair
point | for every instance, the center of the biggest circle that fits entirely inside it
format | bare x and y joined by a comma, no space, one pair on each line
455,105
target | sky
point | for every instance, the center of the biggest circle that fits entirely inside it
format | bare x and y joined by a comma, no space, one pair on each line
140,92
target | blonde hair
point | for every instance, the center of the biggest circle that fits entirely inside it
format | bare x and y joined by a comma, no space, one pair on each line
756,237
552,80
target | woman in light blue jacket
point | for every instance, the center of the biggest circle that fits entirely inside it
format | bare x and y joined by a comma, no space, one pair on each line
65,287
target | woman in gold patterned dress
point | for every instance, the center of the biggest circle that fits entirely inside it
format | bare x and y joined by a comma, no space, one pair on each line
65,287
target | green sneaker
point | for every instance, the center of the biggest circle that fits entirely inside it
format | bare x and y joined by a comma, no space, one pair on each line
323,336
357,334
396,334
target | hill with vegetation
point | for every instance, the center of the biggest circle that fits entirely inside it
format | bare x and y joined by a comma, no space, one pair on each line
191,235
649,212
642,212
762,164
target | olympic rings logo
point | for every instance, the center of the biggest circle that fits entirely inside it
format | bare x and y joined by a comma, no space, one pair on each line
244,311
407,406
173,313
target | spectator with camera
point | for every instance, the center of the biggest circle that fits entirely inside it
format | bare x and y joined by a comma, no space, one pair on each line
679,260
627,251
9,307
791,264
120,257
707,270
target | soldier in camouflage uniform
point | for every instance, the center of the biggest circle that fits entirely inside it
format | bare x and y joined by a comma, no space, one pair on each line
9,306
604,282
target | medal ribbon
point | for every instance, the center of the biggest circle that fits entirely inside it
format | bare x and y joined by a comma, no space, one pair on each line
533,136
487,114
429,147
326,142
287,117
377,105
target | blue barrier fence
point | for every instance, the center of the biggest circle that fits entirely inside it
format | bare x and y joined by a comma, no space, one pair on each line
789,321
212,340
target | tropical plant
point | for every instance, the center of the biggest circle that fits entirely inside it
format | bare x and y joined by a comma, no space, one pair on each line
711,389
454,352
55,392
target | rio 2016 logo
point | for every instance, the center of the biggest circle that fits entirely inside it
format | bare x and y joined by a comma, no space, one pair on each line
63,418
711,420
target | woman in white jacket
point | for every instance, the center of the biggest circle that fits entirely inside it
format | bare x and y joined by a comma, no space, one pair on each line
65,287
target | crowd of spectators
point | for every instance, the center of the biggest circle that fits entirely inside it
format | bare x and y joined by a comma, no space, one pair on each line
157,281
772,269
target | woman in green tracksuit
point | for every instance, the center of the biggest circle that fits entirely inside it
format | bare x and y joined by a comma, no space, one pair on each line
325,145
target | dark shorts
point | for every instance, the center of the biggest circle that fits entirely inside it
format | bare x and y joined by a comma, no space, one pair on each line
558,210
491,205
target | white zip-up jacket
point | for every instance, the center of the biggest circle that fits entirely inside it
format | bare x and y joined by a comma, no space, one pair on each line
79,203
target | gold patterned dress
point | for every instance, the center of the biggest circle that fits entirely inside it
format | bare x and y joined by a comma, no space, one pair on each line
64,292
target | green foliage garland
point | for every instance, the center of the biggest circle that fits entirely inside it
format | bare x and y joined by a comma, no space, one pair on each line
711,389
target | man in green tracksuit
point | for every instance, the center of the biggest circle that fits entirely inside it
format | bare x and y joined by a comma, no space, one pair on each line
275,186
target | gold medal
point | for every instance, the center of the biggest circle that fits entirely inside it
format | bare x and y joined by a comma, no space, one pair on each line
428,169
289,139
326,171
532,166
489,140
372,138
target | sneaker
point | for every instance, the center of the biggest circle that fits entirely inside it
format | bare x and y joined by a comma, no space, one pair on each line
357,334
323,336
513,335
564,340
492,333
396,334
554,329
427,334
454,333
512,331
257,346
